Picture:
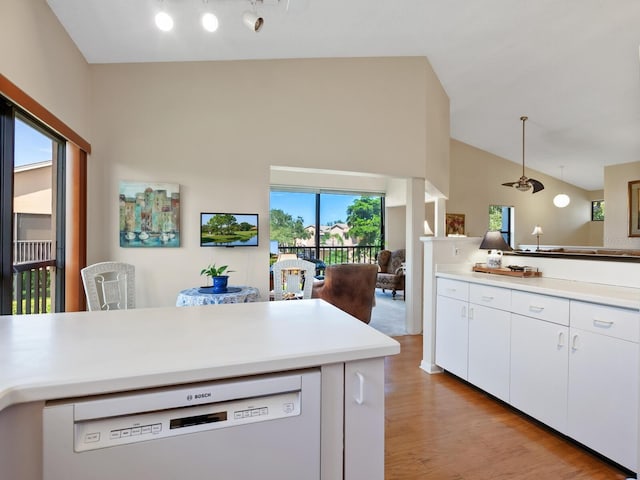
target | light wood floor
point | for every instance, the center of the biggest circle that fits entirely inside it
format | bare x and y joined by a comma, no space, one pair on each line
440,428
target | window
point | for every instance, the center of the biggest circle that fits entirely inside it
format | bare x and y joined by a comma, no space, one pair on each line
501,220
32,226
335,227
597,211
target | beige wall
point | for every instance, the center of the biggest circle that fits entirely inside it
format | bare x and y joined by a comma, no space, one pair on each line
37,55
616,199
476,178
216,128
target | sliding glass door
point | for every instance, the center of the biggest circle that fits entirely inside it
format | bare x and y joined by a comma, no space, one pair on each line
32,225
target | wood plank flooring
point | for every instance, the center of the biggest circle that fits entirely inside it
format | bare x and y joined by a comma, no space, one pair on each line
440,428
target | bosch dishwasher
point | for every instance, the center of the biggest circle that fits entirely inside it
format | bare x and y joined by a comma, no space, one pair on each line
258,427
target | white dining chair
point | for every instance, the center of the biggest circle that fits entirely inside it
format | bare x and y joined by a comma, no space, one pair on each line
292,279
109,286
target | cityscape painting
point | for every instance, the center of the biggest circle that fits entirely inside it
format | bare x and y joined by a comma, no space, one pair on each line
149,214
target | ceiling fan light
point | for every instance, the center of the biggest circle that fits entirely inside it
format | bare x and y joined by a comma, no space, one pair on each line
164,21
210,22
561,200
523,187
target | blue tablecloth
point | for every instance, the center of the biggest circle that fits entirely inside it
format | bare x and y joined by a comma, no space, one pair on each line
193,296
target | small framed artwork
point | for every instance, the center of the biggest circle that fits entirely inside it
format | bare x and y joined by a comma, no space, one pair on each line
634,209
149,214
454,223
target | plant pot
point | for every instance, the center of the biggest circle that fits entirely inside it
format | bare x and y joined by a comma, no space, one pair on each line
220,283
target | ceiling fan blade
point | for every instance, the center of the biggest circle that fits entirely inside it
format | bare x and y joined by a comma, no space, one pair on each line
537,186
510,184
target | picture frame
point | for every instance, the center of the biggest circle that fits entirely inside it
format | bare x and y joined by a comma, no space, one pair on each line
454,223
634,208
149,214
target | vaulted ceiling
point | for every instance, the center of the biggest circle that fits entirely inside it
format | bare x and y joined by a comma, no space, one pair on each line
571,66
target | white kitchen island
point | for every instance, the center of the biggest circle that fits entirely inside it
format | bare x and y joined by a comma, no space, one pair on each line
67,355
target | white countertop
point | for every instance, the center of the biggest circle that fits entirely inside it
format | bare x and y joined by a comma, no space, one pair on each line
74,354
624,297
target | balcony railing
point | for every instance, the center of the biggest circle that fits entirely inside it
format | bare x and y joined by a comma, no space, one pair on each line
33,268
331,255
32,287
28,251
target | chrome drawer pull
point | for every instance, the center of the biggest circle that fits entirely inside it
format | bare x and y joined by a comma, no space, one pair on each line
602,323
535,308
486,298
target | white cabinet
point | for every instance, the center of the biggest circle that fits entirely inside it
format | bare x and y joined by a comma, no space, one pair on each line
489,339
603,381
539,370
364,420
452,335
570,364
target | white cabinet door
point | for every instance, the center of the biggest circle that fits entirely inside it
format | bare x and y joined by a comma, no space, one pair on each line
603,395
452,335
364,420
539,370
489,346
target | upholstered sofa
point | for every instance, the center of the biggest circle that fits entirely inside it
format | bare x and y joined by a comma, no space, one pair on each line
391,270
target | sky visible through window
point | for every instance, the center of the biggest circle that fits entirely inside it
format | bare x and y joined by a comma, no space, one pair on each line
31,146
333,207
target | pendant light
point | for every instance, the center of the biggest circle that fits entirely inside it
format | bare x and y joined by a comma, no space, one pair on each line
562,199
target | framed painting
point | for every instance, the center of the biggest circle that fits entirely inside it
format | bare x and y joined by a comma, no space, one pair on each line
634,209
454,223
149,214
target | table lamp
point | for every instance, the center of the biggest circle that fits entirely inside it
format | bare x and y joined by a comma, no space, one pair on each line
537,231
494,242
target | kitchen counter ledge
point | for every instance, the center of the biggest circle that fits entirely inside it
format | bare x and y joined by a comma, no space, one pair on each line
61,355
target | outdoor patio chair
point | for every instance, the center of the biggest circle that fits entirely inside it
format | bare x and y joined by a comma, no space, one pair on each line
292,279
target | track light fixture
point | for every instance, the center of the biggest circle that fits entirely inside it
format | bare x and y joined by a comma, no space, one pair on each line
252,21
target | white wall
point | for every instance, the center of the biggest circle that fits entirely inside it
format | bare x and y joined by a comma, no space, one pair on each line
216,128
39,57
476,183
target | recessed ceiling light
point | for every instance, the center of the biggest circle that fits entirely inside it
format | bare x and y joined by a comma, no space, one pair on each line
164,21
209,22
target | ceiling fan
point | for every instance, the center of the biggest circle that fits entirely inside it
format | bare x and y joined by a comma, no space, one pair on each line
524,184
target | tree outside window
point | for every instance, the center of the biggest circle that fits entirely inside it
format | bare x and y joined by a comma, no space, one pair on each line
597,211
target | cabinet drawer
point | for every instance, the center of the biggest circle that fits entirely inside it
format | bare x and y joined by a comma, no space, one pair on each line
615,322
494,297
544,307
453,289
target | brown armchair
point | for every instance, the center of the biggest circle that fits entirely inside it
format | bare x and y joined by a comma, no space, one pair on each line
391,270
349,286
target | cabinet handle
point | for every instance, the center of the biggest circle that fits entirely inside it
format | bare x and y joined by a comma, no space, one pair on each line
574,342
487,298
602,323
360,397
451,290
560,339
463,311
470,313
536,308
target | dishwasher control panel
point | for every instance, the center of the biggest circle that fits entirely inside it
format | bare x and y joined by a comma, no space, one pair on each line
107,432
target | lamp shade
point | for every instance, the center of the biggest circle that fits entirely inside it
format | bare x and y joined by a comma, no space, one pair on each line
494,240
537,230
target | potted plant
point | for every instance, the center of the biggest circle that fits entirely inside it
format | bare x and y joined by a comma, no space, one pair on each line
218,278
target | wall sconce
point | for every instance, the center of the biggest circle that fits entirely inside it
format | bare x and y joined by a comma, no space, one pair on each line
494,242
537,231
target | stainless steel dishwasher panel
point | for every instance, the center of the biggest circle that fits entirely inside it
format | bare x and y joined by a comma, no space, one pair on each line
260,427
